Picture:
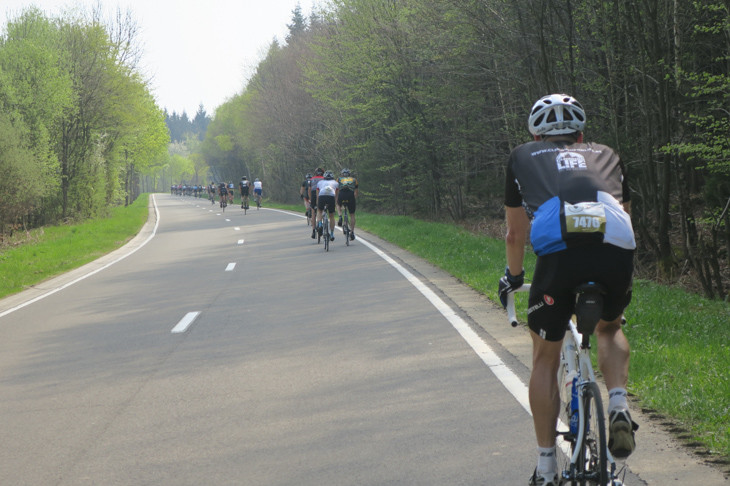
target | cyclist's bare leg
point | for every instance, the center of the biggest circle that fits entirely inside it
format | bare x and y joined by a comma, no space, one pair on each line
332,221
352,221
613,353
543,389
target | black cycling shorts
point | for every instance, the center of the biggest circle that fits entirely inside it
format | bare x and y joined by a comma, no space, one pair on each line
329,201
347,198
552,302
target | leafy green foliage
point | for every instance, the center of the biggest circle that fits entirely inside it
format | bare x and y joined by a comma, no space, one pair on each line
84,121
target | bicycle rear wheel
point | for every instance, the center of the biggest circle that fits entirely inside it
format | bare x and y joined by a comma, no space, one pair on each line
592,465
326,232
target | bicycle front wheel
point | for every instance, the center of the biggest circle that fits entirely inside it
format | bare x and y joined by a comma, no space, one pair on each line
592,464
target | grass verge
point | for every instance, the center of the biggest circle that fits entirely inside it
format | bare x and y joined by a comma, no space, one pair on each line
53,250
680,342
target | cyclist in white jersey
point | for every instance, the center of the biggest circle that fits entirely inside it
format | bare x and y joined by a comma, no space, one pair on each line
258,190
327,190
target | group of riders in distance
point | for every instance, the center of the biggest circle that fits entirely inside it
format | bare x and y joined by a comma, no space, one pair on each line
223,191
322,192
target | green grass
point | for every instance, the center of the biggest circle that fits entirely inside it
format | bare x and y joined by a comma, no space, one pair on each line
680,343
680,358
53,250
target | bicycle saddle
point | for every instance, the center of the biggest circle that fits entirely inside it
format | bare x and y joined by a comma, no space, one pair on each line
588,306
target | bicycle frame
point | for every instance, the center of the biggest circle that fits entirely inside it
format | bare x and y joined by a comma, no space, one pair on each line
574,357
346,224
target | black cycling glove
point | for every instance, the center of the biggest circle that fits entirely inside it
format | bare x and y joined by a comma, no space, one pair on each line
509,283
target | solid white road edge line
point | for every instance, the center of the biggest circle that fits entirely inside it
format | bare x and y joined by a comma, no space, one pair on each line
508,378
504,374
68,284
185,322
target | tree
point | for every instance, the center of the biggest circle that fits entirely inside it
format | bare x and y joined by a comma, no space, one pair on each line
37,91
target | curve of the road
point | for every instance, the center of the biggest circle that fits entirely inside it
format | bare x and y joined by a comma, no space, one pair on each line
505,351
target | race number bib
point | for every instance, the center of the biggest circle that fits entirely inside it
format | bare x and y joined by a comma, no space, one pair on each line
585,217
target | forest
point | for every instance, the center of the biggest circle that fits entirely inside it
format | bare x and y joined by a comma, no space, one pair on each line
78,124
424,99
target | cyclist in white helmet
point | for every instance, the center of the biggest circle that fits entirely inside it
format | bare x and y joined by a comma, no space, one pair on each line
327,190
573,198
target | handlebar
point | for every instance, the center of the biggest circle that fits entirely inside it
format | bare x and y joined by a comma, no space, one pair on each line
511,313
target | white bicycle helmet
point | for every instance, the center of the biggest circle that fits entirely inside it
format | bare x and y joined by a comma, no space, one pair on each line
556,114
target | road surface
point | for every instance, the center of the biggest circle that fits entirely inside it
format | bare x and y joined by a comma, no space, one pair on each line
221,348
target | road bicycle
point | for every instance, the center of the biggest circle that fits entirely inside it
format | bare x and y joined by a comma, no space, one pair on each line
346,223
224,203
581,433
258,201
326,233
326,230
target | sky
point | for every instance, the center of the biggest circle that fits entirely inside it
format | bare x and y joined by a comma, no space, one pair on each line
193,51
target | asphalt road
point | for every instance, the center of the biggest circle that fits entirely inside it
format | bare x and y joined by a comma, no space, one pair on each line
231,349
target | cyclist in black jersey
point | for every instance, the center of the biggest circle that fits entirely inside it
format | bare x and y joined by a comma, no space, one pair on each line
244,186
318,176
347,196
573,200
223,193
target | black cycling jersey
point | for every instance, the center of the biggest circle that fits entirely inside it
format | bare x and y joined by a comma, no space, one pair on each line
572,192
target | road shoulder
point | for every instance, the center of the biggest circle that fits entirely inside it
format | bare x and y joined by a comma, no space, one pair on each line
659,459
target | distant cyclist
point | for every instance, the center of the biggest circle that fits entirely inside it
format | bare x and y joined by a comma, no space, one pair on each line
244,185
230,188
211,192
327,189
318,176
223,193
304,195
576,197
347,196
258,191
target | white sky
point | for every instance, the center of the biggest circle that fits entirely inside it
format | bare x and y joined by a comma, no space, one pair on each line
194,51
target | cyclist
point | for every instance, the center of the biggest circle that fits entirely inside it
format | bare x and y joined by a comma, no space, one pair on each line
258,190
304,194
223,192
347,195
327,189
211,192
318,176
244,185
230,187
575,197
